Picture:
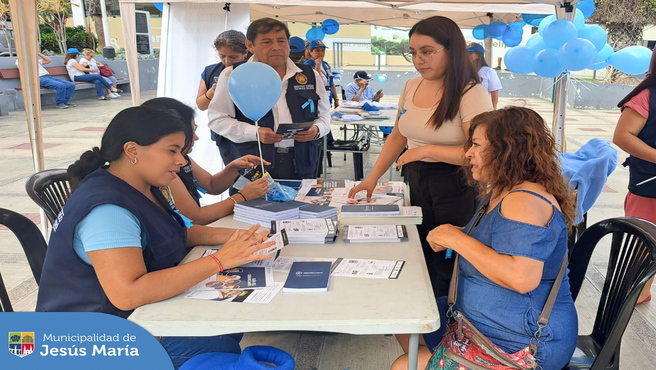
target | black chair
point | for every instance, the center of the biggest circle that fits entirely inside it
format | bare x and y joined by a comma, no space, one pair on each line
30,238
49,189
631,264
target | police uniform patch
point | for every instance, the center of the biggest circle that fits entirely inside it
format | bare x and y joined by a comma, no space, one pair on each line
301,78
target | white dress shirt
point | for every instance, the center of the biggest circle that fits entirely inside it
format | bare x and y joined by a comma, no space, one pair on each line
222,109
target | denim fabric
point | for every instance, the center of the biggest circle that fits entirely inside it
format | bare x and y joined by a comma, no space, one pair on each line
111,79
63,89
97,80
181,349
509,318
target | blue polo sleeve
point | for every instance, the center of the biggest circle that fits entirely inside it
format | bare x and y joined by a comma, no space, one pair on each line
107,226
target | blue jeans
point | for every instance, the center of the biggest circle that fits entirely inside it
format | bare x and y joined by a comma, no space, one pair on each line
63,89
181,349
97,80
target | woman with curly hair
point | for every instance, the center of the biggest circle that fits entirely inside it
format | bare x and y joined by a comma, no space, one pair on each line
510,259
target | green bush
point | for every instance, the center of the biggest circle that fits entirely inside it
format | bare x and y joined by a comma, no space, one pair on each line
76,37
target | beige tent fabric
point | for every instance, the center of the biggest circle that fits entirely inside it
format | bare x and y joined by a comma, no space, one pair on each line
128,21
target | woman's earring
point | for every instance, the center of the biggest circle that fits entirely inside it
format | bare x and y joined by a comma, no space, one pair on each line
133,160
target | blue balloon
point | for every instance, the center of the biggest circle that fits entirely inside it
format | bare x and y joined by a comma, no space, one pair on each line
480,32
587,7
512,37
496,28
159,6
558,32
518,25
500,38
536,44
599,61
519,60
579,20
254,88
633,60
381,77
595,34
577,54
545,64
533,19
330,26
315,33
545,21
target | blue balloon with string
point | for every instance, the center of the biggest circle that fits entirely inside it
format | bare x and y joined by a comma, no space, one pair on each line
315,33
600,60
595,34
496,29
545,21
587,7
480,32
512,37
577,54
255,88
558,32
330,26
633,60
546,64
519,60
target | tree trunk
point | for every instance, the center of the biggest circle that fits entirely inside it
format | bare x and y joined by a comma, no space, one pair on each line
100,31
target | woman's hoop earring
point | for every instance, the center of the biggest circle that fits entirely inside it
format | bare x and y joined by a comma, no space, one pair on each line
133,160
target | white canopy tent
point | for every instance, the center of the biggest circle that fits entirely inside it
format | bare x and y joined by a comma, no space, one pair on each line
189,26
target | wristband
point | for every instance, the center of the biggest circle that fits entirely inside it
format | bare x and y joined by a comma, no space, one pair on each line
242,195
206,96
232,199
216,259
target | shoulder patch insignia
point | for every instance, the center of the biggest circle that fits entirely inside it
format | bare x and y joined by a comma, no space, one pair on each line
301,78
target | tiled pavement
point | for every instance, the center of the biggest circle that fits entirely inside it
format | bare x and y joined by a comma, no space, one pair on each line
67,133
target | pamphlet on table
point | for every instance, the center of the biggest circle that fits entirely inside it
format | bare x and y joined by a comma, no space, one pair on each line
260,295
375,234
307,231
305,277
362,268
237,278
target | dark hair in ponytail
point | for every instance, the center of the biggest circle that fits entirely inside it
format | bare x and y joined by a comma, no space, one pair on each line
143,125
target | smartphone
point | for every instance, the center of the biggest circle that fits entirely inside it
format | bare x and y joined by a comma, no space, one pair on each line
377,94
216,78
252,173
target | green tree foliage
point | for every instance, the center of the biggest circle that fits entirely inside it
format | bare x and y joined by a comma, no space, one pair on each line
76,37
396,46
624,21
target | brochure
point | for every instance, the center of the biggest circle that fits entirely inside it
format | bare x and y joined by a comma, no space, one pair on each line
288,130
360,268
260,295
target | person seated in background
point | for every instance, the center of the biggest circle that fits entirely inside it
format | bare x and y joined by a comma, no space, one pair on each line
118,242
359,89
78,73
193,179
63,89
87,61
489,78
297,49
513,254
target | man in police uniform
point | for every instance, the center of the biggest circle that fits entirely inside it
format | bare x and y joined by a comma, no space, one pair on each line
302,100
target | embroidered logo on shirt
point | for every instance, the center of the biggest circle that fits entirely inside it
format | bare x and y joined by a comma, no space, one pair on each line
301,78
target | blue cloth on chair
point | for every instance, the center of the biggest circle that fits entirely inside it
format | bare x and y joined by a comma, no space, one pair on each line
587,170
250,359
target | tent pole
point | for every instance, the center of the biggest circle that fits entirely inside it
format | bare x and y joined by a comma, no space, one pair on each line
488,44
560,89
24,19
128,21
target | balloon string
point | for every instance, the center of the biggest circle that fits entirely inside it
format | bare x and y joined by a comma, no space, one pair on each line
259,147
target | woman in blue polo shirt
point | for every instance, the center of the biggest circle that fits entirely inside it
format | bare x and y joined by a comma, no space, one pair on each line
117,243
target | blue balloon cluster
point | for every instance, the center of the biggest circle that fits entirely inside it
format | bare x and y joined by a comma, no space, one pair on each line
510,33
561,45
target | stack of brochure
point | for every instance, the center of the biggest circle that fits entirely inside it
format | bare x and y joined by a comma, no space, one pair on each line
370,210
307,231
260,211
317,211
375,234
407,216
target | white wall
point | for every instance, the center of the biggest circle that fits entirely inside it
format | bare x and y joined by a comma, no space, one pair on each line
188,33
